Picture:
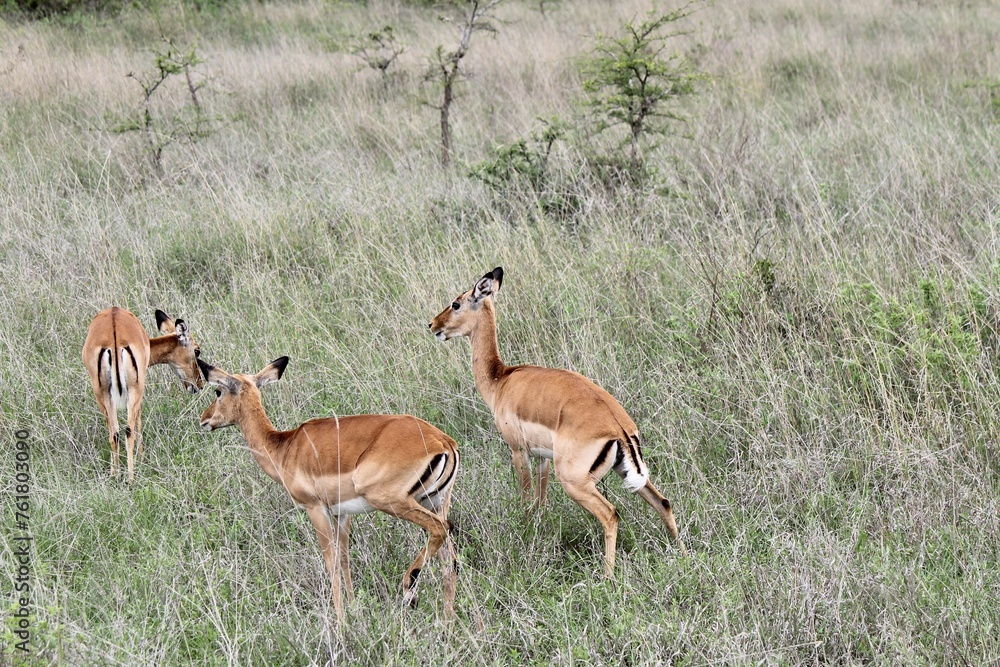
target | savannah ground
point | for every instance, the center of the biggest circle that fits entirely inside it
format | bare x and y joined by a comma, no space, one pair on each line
800,311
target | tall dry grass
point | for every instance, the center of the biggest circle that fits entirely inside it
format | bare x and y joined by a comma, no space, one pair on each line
800,313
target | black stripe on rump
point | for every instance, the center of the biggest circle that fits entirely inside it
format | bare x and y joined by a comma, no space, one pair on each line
447,480
422,482
638,447
631,455
626,450
443,486
100,358
135,366
603,456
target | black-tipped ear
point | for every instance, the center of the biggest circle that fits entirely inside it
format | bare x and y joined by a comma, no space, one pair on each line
206,368
218,377
487,285
272,372
163,322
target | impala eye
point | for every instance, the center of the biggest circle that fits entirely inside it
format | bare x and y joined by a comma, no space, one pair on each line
218,393
455,305
197,353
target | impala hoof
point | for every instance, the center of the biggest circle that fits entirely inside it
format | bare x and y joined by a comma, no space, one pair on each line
410,599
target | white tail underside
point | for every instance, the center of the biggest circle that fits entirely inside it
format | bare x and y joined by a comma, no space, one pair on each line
119,395
634,476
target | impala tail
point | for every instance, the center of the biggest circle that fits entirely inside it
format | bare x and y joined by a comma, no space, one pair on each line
117,372
629,463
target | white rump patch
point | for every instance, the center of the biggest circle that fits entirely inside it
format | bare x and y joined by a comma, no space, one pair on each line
354,506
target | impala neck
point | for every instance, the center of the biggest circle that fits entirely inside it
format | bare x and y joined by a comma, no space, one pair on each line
262,438
487,367
161,347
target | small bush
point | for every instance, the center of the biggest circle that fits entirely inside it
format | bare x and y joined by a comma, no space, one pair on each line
633,82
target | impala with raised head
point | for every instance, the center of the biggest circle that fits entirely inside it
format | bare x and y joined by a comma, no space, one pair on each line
554,415
117,353
338,466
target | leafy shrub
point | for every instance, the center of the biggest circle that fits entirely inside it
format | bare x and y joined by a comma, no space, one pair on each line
161,130
525,167
633,82
378,49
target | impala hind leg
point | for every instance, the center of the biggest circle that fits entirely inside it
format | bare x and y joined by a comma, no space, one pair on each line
586,495
447,555
132,428
328,545
662,507
410,510
111,417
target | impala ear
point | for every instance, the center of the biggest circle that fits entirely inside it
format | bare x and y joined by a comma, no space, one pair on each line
183,333
272,372
498,277
488,284
218,377
163,322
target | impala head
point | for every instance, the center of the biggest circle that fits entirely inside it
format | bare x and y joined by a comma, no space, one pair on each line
459,319
235,393
183,359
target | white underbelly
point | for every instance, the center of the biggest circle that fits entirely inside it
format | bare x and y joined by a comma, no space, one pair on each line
535,438
353,506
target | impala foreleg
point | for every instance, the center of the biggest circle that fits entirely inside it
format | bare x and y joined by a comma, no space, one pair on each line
519,456
585,493
542,479
328,545
344,553
662,507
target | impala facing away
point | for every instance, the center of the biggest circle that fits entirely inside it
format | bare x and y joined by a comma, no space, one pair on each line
335,467
117,353
553,414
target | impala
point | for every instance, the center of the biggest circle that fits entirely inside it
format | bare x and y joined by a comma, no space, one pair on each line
556,415
117,353
338,466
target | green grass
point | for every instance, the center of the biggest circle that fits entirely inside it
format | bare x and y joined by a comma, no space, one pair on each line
800,312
